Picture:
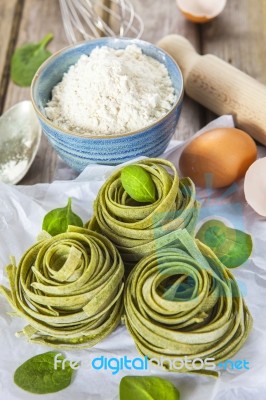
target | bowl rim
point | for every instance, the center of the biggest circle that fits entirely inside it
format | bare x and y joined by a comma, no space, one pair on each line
111,136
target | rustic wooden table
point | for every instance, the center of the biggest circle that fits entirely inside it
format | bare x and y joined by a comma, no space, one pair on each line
237,35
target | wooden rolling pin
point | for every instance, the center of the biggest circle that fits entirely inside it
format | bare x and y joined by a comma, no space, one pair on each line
220,87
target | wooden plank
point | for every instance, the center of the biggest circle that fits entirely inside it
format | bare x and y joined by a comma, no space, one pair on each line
10,13
39,17
160,19
238,37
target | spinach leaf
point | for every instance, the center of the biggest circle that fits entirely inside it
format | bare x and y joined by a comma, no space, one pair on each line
231,246
138,183
38,374
147,388
57,220
27,59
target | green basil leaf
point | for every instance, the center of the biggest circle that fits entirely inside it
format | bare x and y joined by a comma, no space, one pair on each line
27,59
231,246
58,220
138,183
38,374
147,388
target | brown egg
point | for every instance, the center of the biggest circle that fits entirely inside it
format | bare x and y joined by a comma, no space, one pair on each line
218,158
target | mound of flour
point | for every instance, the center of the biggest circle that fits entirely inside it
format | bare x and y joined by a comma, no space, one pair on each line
111,92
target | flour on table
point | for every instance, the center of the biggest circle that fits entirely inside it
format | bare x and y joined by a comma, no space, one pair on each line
111,92
15,156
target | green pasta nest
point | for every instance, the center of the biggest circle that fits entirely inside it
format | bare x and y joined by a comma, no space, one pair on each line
69,288
182,301
139,229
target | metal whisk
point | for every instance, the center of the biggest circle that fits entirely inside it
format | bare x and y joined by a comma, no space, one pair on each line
87,19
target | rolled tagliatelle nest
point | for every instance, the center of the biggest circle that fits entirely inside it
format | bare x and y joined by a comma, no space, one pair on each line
181,304
139,229
69,289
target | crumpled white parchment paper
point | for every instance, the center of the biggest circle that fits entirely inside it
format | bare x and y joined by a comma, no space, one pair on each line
22,209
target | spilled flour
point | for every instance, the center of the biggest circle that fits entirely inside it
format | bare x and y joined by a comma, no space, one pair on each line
111,92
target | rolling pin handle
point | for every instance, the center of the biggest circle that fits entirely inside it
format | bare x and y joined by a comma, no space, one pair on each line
184,53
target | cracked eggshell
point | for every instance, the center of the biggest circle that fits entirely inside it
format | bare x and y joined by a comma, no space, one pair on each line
201,11
255,186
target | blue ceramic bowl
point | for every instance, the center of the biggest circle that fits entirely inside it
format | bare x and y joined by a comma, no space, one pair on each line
80,150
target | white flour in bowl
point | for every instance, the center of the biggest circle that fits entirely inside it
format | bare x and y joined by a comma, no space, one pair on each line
111,92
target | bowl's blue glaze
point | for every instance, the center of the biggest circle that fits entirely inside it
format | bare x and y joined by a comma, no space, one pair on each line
80,150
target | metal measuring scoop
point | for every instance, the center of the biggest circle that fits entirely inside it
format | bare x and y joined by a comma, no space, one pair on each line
20,135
